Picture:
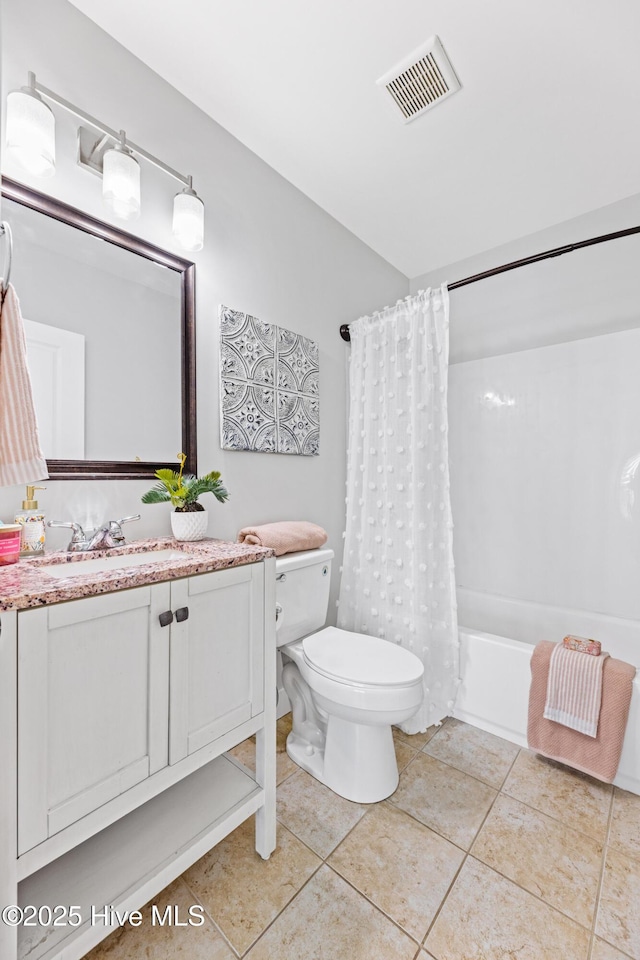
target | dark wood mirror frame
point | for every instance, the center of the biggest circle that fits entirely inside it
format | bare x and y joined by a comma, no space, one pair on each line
116,469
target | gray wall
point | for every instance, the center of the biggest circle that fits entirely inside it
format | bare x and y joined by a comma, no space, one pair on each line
268,250
556,301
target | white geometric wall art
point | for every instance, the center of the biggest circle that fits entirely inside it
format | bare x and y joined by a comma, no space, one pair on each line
269,387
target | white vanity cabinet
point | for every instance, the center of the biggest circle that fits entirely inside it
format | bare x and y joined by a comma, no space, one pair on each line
126,705
216,656
93,682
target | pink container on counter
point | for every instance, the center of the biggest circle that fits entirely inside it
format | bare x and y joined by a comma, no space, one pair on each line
10,543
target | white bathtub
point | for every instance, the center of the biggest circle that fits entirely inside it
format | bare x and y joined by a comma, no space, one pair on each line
497,636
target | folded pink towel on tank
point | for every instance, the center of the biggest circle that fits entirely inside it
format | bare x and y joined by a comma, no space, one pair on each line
574,689
598,756
287,536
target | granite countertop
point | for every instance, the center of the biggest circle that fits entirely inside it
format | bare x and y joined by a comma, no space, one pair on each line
26,583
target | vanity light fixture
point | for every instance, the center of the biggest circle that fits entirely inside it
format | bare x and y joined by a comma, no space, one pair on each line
121,180
102,150
30,130
188,219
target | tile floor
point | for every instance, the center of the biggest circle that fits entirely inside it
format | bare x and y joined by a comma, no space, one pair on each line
484,852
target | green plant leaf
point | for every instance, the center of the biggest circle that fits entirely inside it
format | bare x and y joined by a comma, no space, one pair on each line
182,489
210,483
156,496
170,478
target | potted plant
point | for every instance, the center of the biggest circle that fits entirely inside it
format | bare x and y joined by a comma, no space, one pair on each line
189,519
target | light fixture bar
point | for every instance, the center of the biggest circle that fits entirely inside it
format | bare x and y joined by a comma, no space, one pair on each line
109,131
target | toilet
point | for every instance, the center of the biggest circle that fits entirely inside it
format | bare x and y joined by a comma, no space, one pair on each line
345,689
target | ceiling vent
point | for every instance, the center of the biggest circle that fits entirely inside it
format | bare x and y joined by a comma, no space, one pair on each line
420,81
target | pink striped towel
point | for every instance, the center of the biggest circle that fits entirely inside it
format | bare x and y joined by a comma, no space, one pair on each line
574,689
21,459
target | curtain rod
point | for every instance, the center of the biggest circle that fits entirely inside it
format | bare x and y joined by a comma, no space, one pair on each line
535,258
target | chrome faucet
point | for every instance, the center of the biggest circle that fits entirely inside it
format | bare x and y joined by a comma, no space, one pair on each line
104,538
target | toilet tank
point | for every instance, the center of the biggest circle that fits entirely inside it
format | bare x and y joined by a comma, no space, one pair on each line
302,593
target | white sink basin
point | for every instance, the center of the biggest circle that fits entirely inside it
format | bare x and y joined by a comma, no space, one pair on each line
103,564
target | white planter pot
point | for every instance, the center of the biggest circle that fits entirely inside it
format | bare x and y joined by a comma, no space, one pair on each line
190,526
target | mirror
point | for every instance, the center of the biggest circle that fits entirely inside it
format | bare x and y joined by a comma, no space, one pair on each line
110,328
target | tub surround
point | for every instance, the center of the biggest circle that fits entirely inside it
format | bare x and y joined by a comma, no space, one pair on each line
27,584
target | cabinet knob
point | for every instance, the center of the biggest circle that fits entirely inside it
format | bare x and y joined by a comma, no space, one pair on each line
165,618
182,614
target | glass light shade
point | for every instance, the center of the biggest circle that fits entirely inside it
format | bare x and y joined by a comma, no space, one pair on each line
121,183
188,220
31,129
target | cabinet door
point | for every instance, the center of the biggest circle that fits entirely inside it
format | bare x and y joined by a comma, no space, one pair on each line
217,656
92,705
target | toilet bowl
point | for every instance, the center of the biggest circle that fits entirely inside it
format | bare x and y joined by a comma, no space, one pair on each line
346,689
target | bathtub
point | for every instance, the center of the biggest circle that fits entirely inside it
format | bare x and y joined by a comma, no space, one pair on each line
497,636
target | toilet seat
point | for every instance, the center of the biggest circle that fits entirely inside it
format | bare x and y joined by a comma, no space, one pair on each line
357,659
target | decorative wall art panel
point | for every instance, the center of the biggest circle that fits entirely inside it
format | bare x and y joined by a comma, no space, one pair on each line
269,387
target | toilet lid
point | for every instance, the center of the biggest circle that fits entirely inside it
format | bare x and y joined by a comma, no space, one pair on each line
356,658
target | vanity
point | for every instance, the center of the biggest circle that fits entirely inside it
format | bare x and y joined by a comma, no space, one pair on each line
128,674
124,680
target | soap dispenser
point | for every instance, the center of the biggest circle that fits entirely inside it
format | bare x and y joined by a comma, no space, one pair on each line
32,522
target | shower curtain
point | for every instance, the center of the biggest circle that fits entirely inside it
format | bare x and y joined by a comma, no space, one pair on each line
397,575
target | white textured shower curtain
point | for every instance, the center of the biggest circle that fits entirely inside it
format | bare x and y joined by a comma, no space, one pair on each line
397,575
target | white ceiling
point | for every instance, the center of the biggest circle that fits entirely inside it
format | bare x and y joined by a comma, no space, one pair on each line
546,126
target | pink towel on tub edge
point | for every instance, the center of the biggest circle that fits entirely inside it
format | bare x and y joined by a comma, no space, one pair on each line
286,536
598,756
